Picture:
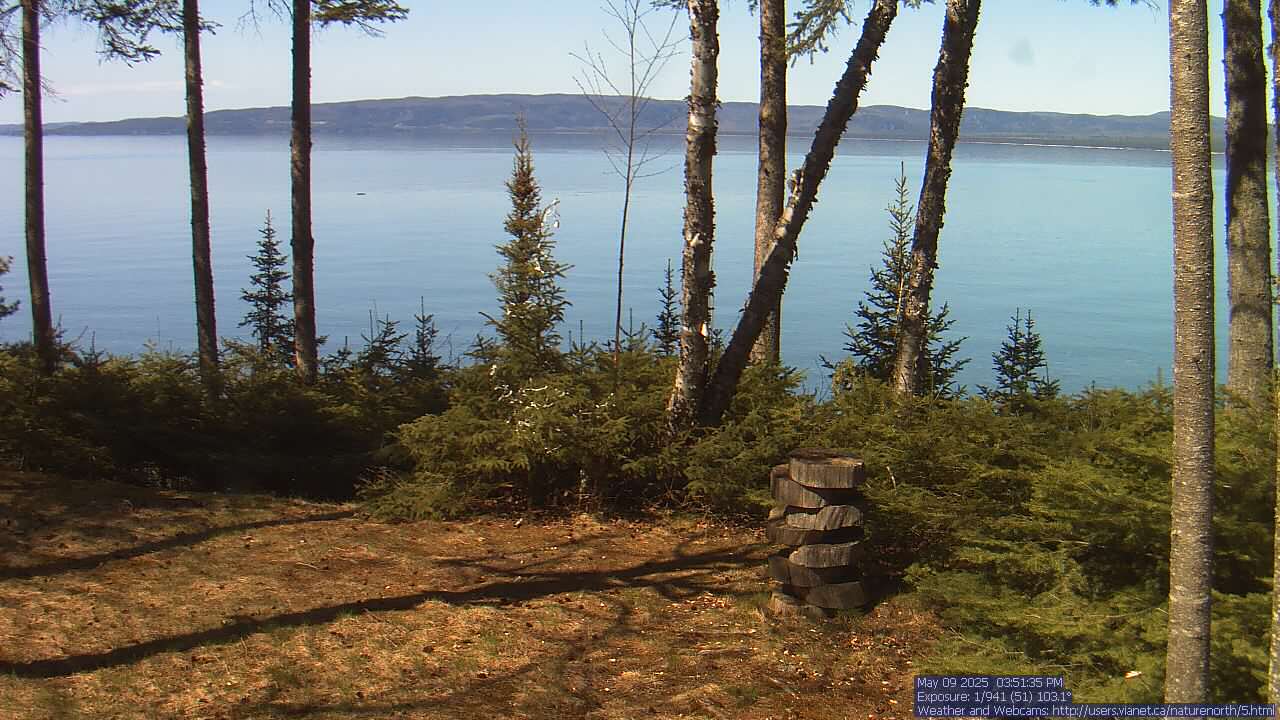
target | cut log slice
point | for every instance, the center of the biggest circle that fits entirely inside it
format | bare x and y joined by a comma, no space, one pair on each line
840,596
788,573
831,517
787,606
777,531
789,492
827,469
826,556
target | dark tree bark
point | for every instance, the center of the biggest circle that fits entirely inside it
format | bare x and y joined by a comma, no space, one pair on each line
33,137
1191,547
697,279
1251,354
772,176
202,262
949,80
771,281
306,355
1273,674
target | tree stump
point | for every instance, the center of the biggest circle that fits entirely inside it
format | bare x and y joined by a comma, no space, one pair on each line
818,514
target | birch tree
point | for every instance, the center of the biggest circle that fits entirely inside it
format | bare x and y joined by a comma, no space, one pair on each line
771,281
697,278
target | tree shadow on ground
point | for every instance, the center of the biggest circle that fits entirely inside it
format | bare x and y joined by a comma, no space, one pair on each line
89,562
478,697
522,587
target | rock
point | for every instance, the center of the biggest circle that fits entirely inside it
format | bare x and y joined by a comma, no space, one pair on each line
787,606
777,531
826,469
826,556
831,517
840,596
788,492
788,573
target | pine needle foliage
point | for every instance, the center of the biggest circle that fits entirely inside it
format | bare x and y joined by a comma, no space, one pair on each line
1022,371
528,282
6,308
270,303
383,347
422,361
872,342
666,333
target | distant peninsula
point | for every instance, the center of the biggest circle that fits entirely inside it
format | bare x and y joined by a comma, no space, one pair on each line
564,113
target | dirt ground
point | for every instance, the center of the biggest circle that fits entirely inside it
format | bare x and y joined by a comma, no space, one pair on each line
123,602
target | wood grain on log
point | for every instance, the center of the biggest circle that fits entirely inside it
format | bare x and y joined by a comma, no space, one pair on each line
831,517
826,556
826,469
841,596
783,605
777,531
788,492
788,573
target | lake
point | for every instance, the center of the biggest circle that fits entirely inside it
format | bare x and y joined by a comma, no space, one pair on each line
1080,236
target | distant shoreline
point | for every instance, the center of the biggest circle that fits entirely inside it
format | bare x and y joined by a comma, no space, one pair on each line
419,117
5,131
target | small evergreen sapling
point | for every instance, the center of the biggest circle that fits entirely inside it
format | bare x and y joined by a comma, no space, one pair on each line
533,303
268,319
1022,372
873,342
667,332
421,361
6,308
383,347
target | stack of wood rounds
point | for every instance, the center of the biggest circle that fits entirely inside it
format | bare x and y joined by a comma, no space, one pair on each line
817,514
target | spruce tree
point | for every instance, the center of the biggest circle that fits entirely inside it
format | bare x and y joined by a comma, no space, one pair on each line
421,362
268,318
382,352
533,303
873,341
667,331
1022,372
6,308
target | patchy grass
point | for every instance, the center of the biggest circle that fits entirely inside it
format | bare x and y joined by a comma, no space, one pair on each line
121,602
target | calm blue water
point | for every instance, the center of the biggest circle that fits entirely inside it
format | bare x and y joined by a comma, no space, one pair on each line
1080,236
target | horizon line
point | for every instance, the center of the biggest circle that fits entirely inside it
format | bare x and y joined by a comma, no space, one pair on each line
579,95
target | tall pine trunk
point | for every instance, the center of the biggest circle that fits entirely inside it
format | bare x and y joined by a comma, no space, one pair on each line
33,137
949,80
1273,674
302,242
1191,546
697,278
1250,334
771,181
202,262
771,281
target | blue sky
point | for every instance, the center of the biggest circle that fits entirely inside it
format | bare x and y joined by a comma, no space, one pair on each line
1057,55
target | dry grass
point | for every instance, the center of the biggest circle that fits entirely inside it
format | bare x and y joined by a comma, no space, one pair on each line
119,602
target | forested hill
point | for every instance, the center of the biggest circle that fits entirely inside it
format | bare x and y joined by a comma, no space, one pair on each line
574,113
